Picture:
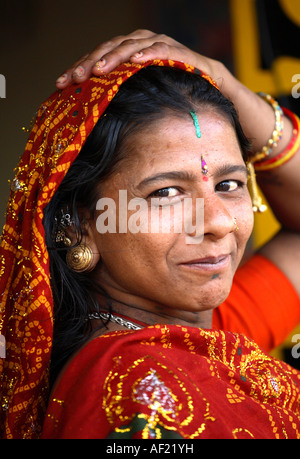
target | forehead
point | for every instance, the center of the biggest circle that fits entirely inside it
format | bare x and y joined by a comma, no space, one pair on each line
174,139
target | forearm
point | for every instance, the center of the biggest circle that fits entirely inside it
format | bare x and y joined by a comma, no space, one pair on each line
256,116
281,187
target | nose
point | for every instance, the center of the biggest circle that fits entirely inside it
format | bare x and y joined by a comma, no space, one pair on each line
213,219
218,218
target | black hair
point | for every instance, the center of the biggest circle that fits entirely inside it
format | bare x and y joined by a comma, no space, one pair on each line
150,95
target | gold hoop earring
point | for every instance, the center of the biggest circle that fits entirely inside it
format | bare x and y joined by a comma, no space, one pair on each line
80,258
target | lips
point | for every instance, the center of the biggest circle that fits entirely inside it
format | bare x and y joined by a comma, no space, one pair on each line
210,263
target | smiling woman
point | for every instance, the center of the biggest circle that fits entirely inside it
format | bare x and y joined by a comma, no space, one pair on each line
159,267
134,353
157,133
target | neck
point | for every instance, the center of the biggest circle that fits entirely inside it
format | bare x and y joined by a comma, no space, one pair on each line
157,315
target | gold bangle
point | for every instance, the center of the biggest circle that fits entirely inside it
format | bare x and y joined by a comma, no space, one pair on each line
292,148
277,133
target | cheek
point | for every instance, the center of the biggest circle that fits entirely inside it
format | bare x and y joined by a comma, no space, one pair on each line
136,240
130,257
245,220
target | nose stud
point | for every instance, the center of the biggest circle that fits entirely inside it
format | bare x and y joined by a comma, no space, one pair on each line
235,223
204,167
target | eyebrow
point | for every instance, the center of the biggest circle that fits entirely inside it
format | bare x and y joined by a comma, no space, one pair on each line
191,177
229,169
172,175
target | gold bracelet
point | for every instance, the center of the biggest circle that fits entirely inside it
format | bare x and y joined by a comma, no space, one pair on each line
272,163
291,149
277,133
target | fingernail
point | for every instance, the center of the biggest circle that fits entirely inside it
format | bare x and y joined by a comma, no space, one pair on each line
101,63
62,78
79,71
138,55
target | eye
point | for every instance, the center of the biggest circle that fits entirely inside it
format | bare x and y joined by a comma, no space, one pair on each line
229,186
169,192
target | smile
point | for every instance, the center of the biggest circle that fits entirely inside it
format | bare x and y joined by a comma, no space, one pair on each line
209,263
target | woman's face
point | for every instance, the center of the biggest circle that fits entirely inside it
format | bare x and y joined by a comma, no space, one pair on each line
167,271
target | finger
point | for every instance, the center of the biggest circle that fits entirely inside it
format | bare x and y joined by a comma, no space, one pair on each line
124,52
83,68
160,50
119,55
105,48
66,78
138,46
175,52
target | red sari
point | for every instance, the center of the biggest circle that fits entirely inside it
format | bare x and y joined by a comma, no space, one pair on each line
174,382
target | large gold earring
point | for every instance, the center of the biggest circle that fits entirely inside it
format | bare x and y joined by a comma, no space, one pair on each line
80,258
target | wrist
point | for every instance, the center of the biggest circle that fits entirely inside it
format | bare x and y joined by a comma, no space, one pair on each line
278,158
277,134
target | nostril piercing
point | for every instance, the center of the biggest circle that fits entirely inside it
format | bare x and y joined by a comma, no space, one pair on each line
235,223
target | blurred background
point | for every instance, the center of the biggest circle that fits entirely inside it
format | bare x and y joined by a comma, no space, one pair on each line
258,40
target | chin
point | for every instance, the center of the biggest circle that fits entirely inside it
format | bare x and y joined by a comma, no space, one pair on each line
210,300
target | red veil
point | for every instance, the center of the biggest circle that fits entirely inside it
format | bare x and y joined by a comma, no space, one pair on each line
62,125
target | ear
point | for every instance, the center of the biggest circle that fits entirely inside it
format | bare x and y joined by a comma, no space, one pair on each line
87,238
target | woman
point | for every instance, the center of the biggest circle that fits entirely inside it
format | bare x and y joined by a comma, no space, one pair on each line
146,382
143,45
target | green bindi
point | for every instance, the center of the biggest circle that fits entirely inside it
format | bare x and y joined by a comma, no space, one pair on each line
196,123
198,132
